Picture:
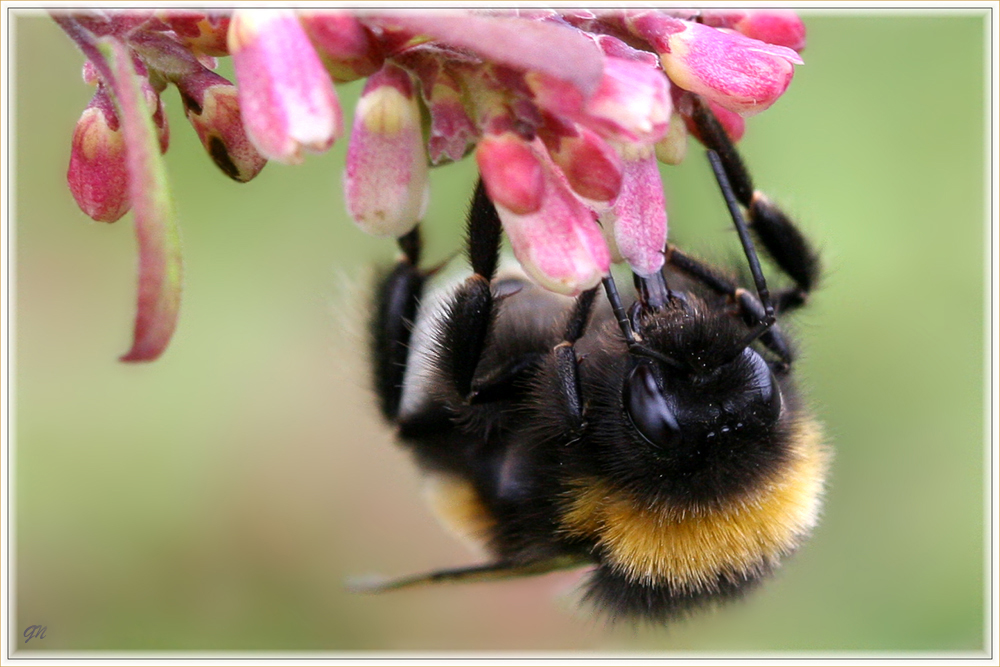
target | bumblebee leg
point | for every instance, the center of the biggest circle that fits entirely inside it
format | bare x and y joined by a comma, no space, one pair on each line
567,370
470,313
502,383
779,236
398,296
750,308
476,573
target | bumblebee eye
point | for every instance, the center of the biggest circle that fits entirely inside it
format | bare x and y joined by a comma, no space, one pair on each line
648,410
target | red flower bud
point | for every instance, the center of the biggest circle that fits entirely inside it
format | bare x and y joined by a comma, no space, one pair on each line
98,172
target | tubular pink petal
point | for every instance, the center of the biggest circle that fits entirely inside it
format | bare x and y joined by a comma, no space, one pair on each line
744,75
741,74
639,216
285,94
511,171
155,223
98,174
782,28
733,123
560,245
385,180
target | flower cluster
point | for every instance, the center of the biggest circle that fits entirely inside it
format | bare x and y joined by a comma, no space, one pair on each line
567,112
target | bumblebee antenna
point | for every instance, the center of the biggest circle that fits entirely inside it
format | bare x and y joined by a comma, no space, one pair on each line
748,249
616,307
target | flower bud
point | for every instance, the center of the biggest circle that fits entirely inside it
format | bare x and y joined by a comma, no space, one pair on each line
346,47
385,179
286,97
511,171
212,107
560,245
637,222
98,172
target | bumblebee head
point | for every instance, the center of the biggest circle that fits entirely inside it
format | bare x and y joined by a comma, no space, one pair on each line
693,416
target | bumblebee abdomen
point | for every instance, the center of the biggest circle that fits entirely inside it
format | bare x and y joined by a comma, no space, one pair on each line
670,558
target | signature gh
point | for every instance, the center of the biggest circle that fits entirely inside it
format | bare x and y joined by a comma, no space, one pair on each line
33,631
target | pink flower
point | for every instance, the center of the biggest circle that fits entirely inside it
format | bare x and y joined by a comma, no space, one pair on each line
560,244
286,96
636,225
564,110
741,74
385,180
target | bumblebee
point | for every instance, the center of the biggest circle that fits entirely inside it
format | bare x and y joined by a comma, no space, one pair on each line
660,442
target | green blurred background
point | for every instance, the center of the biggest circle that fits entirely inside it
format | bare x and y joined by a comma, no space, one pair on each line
218,498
